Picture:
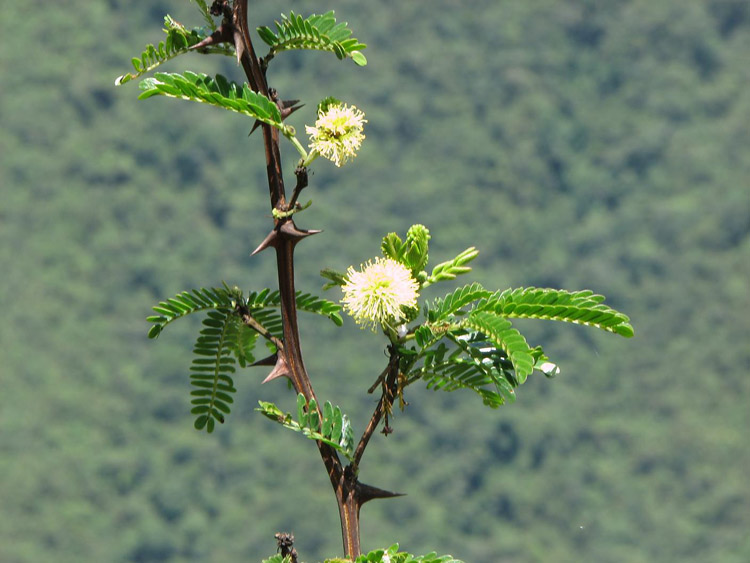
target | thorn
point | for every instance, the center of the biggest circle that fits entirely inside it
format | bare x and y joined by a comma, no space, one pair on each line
366,493
286,111
239,45
290,230
255,126
222,35
267,361
270,240
279,370
287,229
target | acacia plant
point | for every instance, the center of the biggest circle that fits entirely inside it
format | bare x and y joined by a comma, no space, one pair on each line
464,340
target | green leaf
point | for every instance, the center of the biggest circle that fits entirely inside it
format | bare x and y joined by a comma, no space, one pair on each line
452,303
313,304
186,303
416,249
313,419
327,425
337,425
358,58
392,247
266,35
271,411
301,408
425,337
264,306
203,7
500,331
396,556
476,364
200,422
214,359
336,278
177,42
452,268
580,307
217,92
317,32
334,429
326,103
246,338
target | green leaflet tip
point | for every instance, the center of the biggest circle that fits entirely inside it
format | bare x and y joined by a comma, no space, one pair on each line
625,329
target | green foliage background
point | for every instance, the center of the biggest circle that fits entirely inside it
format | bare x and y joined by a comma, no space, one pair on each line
576,144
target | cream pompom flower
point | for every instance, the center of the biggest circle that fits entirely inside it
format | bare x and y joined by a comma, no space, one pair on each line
337,134
374,296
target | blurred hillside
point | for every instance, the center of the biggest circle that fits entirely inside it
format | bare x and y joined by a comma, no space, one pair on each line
603,145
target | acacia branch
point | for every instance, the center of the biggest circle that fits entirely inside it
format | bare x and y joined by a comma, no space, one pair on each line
257,79
350,493
284,237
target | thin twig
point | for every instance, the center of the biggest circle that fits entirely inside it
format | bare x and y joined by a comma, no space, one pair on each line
301,173
379,380
388,379
250,321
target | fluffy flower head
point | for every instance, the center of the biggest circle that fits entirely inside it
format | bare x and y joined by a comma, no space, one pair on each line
337,134
375,294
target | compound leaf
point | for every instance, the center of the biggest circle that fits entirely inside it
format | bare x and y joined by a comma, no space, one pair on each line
317,32
210,372
178,41
500,331
186,303
452,268
217,91
333,429
453,302
580,307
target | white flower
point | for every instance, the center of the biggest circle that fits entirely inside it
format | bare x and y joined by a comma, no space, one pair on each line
337,134
374,296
